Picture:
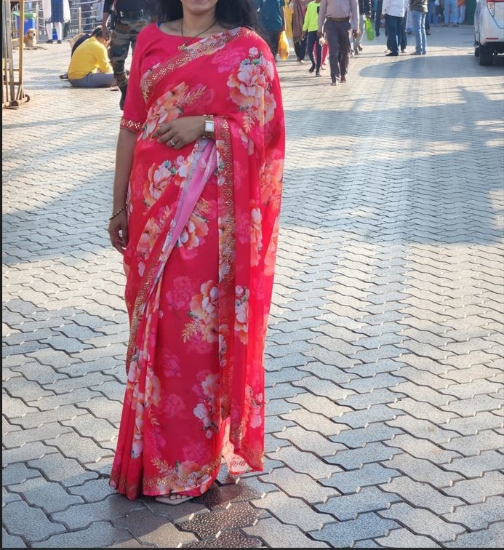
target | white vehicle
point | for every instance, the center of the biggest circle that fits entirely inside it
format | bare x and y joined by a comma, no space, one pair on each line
488,30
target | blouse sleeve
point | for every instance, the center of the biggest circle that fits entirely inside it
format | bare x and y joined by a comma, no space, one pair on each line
134,113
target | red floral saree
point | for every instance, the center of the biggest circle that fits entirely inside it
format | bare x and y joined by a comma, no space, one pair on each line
203,232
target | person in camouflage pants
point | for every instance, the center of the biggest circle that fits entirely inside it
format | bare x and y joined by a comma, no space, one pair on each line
125,29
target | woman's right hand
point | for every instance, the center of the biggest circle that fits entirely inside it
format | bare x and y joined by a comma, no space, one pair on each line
118,232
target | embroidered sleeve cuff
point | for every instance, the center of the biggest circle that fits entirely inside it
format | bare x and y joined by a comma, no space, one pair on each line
131,125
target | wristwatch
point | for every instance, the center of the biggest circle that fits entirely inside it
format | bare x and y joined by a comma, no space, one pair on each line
209,132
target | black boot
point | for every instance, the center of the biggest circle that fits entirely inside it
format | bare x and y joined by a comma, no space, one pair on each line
123,90
312,68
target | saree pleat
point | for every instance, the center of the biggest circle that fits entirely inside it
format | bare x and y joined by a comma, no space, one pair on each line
199,264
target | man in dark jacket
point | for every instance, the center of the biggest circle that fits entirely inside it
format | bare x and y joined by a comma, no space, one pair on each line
129,17
364,13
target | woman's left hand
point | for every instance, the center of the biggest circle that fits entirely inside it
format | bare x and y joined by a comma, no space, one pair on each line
181,131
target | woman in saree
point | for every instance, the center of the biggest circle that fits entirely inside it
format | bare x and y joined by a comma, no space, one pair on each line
196,204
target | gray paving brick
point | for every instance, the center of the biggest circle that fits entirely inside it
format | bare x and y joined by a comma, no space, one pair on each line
328,372
421,448
374,413
347,507
491,538
474,445
423,522
293,511
478,465
355,438
153,530
310,441
423,429
423,394
30,523
475,372
425,364
298,485
44,432
355,458
474,388
478,516
304,462
381,396
324,387
9,541
381,380
55,467
402,538
316,422
479,421
344,534
17,473
279,406
285,375
280,535
469,359
51,497
422,495
470,407
319,405
477,490
100,534
422,470
369,474
424,411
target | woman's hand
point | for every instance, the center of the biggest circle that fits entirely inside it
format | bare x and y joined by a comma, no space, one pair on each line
118,232
181,131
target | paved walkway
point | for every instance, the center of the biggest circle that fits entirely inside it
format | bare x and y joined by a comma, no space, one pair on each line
385,354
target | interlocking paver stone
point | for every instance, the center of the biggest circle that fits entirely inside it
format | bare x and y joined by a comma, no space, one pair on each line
293,511
423,522
478,516
402,538
344,534
347,507
279,535
422,495
298,485
477,490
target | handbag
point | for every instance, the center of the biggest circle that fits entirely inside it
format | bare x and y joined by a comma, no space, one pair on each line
283,46
368,27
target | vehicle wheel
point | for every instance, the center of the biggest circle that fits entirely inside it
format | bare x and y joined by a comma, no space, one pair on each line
476,51
485,55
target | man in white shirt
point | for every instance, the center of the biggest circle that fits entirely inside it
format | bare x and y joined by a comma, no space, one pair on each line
393,11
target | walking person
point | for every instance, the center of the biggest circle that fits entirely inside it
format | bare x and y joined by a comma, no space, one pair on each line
310,32
298,15
393,12
461,11
334,20
128,18
450,13
364,13
419,9
272,19
195,213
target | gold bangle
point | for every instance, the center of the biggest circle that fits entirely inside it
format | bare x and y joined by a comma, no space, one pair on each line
118,212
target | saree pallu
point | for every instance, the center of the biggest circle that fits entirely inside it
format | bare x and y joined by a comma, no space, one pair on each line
203,232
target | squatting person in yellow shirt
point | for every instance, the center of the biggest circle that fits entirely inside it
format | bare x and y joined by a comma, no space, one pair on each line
89,65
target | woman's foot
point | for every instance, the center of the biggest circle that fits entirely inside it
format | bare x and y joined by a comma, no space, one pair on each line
173,499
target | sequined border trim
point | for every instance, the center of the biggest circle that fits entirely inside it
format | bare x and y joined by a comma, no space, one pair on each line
207,46
130,125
